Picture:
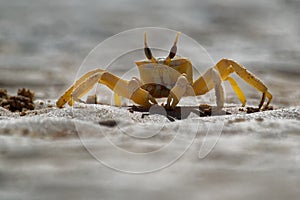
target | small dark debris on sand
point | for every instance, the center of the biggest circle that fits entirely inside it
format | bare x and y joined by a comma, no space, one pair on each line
21,102
108,123
92,99
253,110
181,112
236,120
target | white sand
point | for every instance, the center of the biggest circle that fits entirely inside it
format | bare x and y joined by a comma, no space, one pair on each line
43,155
256,155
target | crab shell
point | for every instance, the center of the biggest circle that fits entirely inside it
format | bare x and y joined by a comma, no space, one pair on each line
159,78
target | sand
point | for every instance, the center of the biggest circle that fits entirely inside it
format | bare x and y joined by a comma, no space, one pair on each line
107,152
97,150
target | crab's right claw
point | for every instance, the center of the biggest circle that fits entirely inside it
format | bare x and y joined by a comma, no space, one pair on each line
143,98
139,95
128,89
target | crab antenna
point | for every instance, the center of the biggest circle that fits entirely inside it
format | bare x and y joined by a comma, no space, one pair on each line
174,47
147,49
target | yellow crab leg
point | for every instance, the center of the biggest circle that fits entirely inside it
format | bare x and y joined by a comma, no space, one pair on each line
125,89
117,99
226,66
269,96
85,86
204,83
239,93
211,79
67,96
118,85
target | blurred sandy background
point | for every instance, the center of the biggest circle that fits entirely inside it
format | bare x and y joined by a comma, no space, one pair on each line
42,44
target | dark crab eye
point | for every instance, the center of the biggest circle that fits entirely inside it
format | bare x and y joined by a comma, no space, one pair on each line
173,52
147,49
174,47
148,53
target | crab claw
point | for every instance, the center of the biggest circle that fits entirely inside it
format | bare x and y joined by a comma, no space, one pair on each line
139,95
172,101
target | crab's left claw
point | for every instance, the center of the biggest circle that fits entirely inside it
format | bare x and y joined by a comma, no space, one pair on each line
172,101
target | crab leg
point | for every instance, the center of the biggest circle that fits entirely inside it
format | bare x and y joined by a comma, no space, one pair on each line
226,67
67,96
239,93
219,91
119,86
211,79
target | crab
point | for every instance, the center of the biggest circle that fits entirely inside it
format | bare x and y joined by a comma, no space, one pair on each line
171,78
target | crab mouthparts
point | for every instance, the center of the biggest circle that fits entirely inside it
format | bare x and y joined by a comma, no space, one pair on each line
161,60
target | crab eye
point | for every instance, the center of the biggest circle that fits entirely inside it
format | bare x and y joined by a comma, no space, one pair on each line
174,47
172,52
147,49
148,53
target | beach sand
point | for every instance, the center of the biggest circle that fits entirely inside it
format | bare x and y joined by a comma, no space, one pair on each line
107,152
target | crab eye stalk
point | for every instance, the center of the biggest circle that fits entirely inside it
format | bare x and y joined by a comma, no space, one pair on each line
147,50
174,47
148,53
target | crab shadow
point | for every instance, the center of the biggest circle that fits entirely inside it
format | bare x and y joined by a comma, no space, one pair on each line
180,112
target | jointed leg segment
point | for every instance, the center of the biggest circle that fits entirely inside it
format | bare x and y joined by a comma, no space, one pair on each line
118,85
210,80
239,93
226,67
67,96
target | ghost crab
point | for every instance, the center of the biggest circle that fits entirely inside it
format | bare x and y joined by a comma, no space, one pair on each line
170,77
